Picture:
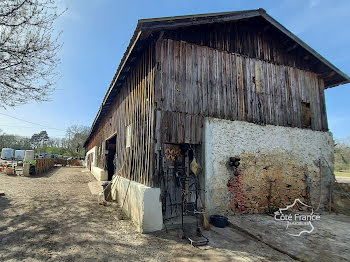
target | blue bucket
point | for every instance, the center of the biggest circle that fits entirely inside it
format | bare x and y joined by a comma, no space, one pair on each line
219,221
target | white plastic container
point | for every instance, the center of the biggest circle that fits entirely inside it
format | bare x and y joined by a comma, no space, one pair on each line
7,153
29,155
19,154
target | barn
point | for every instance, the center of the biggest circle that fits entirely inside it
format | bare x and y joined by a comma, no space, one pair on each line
194,95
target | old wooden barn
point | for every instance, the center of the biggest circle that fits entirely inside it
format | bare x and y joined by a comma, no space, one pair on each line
192,91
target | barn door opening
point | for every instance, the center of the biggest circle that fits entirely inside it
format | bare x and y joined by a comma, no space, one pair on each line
176,161
110,157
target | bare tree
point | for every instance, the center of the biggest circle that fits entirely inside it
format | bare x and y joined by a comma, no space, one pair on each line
2,135
75,137
342,155
28,50
54,142
14,141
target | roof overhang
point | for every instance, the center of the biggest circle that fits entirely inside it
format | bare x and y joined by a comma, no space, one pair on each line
147,28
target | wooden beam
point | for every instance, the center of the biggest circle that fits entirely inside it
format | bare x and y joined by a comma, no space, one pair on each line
292,48
327,74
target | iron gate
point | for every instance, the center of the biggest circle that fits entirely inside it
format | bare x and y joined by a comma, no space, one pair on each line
174,166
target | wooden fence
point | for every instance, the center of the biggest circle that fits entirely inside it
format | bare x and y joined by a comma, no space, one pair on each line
43,164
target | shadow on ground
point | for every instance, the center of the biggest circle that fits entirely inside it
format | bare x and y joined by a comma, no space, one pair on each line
54,217
49,173
4,203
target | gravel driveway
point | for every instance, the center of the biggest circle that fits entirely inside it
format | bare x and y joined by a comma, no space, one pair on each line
55,218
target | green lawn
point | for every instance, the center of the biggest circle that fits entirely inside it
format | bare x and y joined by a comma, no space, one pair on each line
342,173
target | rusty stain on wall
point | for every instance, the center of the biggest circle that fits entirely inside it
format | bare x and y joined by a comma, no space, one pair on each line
277,165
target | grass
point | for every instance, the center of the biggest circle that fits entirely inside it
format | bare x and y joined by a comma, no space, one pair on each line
342,173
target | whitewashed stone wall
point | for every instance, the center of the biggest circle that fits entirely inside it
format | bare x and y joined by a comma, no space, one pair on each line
99,173
288,156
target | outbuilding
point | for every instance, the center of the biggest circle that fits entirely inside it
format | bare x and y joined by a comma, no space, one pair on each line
194,93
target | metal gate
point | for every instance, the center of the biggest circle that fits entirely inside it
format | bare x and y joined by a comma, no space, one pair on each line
174,163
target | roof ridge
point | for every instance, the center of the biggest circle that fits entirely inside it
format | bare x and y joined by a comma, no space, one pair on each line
199,15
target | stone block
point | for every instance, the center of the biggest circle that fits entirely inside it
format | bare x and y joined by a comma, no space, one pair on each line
26,168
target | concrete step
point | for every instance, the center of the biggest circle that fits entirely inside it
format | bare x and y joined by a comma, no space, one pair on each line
95,187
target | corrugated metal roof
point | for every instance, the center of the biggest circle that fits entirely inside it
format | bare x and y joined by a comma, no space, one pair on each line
145,27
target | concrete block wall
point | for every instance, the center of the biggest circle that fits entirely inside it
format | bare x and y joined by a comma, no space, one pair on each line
142,203
287,157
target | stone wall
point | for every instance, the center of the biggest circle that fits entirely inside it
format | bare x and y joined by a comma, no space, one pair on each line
277,165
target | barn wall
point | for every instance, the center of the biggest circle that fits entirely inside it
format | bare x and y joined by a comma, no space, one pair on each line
90,159
179,128
254,38
198,80
277,163
133,105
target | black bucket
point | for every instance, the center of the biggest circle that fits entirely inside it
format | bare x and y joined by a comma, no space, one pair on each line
219,221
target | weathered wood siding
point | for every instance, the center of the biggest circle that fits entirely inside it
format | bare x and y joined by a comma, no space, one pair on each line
195,80
132,106
254,38
178,128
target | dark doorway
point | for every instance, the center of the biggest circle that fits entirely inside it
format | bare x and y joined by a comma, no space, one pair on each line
110,157
176,166
306,114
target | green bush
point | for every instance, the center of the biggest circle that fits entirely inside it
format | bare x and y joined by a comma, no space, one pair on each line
32,169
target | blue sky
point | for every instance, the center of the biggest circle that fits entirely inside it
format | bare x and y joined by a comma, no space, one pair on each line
96,33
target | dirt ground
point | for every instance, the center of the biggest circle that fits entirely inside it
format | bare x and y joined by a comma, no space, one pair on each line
54,217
